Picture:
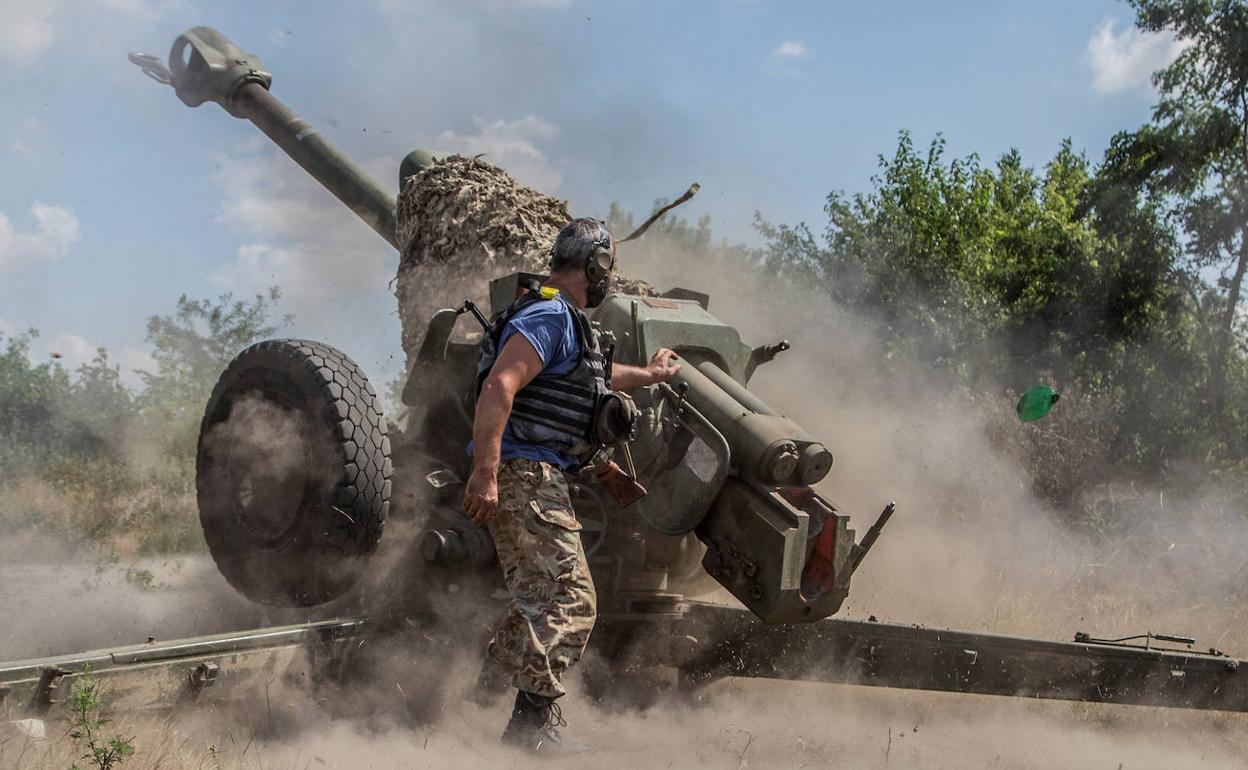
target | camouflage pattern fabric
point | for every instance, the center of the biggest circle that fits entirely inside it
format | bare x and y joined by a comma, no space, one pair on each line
553,605
461,223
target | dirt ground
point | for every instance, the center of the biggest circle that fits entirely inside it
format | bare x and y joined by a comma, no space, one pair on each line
737,724
970,548
46,608
53,602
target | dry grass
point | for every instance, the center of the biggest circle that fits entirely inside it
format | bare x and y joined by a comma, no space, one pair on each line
107,508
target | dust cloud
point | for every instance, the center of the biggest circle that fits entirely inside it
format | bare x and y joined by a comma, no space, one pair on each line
734,724
272,442
53,601
971,547
57,598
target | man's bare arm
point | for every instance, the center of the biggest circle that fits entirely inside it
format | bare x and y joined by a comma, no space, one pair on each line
660,369
517,365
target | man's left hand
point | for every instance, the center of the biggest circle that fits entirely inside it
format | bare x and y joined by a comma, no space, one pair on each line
661,368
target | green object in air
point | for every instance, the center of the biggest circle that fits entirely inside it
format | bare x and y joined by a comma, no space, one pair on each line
1036,403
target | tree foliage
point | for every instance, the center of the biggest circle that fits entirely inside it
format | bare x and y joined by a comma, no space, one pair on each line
1192,159
1003,275
31,420
990,271
86,457
191,348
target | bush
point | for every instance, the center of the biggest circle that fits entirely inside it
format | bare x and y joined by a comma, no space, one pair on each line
88,461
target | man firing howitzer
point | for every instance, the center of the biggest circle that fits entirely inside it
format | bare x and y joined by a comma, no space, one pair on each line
545,405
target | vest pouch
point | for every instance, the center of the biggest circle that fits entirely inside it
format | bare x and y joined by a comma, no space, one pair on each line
615,418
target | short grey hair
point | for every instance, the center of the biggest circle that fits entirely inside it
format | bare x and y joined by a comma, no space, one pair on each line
577,242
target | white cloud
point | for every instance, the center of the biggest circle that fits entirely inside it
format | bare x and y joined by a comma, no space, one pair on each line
56,228
298,237
131,361
1126,60
28,29
511,144
23,135
786,58
790,50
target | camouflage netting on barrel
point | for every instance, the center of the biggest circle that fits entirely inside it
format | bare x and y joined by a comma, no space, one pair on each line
461,223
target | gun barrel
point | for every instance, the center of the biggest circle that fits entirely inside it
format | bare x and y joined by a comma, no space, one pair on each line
326,163
765,445
206,66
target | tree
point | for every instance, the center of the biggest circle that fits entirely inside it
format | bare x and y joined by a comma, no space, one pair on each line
1008,275
191,348
996,273
1193,156
31,423
99,403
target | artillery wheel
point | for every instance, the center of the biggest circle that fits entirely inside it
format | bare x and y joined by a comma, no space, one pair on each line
292,473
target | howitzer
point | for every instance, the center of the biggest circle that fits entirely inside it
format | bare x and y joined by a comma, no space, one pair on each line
730,497
724,471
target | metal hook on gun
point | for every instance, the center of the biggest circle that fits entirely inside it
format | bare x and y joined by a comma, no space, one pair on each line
152,66
470,306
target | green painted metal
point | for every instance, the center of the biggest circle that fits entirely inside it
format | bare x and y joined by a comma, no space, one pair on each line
163,674
226,670
645,324
912,657
757,547
414,162
206,66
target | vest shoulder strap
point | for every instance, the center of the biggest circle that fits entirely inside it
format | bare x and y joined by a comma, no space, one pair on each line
500,321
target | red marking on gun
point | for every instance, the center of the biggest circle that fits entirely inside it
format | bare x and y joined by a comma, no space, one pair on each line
820,572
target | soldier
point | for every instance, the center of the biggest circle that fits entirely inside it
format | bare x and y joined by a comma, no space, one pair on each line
541,373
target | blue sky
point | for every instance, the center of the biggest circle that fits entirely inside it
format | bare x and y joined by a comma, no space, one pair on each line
115,198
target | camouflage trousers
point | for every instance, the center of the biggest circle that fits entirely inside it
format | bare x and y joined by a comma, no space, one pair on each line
553,603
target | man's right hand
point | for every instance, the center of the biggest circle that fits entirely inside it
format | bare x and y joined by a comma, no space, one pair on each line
481,495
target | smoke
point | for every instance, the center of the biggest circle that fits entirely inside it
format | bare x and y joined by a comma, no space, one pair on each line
273,443
735,724
55,601
57,597
971,545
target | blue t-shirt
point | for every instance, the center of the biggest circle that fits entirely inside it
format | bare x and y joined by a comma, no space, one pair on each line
548,326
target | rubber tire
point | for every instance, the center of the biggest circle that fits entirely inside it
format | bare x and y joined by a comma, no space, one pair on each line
342,479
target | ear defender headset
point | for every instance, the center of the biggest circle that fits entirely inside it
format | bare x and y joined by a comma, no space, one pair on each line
600,261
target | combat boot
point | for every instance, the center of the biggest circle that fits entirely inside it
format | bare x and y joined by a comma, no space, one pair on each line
535,723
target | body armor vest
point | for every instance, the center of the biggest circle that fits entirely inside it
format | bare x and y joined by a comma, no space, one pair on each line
557,411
